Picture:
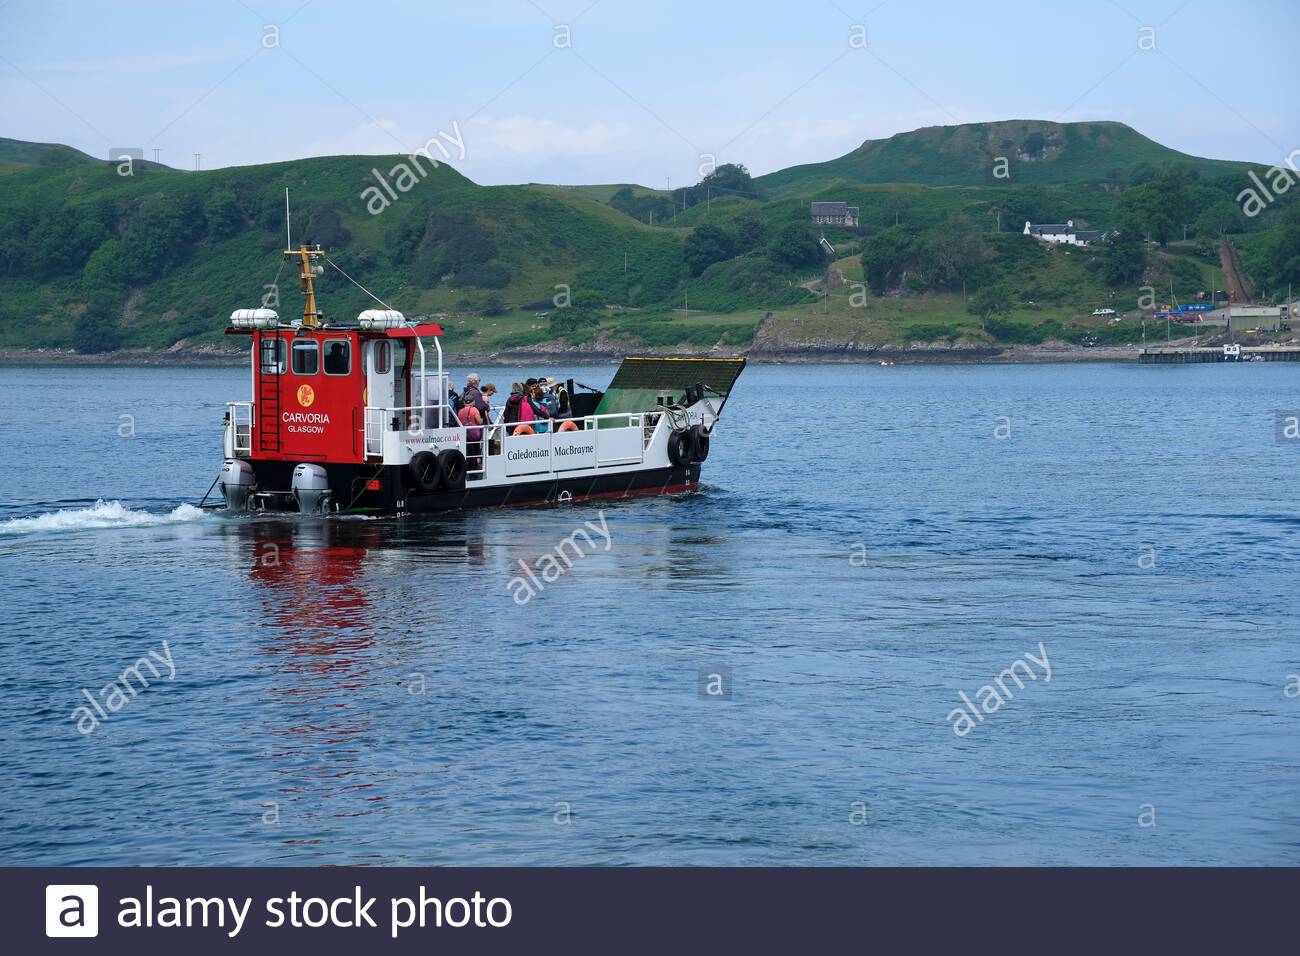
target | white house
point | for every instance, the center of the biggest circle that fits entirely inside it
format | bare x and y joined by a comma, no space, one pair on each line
1063,233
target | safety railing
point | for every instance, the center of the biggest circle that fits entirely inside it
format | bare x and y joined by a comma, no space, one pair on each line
241,427
611,445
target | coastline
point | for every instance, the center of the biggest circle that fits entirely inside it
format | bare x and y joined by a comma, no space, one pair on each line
811,355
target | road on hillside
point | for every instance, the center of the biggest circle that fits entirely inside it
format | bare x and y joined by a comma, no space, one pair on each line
1237,283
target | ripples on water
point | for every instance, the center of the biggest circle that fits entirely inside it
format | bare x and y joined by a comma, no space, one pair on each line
863,549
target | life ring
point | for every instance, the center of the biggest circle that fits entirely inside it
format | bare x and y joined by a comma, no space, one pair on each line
569,425
425,472
524,429
681,447
701,440
451,469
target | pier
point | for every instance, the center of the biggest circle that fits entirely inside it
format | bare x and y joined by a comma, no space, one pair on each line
1219,353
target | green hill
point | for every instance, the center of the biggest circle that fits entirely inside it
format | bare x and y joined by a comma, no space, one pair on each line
1036,151
98,260
15,152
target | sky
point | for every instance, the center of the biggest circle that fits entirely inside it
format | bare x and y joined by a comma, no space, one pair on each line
616,91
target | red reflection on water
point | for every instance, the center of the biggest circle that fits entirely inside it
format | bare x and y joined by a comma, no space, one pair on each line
316,629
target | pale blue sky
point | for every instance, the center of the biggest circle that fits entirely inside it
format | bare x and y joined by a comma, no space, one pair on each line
644,87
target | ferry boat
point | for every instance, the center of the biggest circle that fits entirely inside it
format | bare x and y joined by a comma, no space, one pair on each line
357,417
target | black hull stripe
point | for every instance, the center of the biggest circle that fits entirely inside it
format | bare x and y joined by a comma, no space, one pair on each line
627,484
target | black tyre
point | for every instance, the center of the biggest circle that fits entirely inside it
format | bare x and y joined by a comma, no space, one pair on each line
701,441
451,467
425,472
681,448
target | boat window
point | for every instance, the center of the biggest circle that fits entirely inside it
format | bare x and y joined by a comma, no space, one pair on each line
338,357
381,356
306,358
273,355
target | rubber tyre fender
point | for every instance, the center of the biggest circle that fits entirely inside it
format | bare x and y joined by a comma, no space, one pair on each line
425,471
451,469
681,448
700,439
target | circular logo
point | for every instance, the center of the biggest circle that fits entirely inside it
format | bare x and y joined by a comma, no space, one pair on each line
306,395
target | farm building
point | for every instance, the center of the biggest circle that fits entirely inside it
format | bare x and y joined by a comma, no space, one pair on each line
1062,233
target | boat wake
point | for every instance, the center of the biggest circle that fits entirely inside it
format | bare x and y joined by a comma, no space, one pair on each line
110,514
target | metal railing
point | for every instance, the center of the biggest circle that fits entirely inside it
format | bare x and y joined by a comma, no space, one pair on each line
496,436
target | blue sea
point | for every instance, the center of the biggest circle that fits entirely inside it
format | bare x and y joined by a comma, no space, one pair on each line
765,672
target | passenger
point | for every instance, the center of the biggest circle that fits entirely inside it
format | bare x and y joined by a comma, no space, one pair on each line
518,406
564,407
540,412
551,396
470,418
473,395
511,411
494,435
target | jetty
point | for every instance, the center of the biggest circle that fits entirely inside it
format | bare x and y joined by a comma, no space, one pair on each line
1219,353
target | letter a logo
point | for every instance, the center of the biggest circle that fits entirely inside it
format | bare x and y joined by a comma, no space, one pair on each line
71,910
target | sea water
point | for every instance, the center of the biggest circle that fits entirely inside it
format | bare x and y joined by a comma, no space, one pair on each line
765,672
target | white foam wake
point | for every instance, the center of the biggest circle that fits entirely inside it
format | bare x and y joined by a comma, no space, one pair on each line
111,514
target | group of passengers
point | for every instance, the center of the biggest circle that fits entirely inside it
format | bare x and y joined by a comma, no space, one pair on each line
533,407
537,405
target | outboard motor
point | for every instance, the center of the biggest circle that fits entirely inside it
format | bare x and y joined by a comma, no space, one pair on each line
311,488
236,482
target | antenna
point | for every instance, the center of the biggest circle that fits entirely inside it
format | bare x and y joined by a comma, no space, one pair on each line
288,239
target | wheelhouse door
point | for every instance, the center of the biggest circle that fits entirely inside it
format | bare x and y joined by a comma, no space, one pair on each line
386,389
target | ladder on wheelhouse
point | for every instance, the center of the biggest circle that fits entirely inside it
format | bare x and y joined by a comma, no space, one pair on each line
268,402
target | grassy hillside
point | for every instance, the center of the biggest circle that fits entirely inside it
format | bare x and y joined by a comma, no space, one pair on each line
1036,151
98,260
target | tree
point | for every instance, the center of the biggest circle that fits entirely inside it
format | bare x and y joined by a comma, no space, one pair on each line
706,245
1219,219
1280,257
796,245
886,255
96,329
751,232
1123,257
954,251
156,237
1159,207
104,272
573,319
988,301
1032,203
494,305
729,179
